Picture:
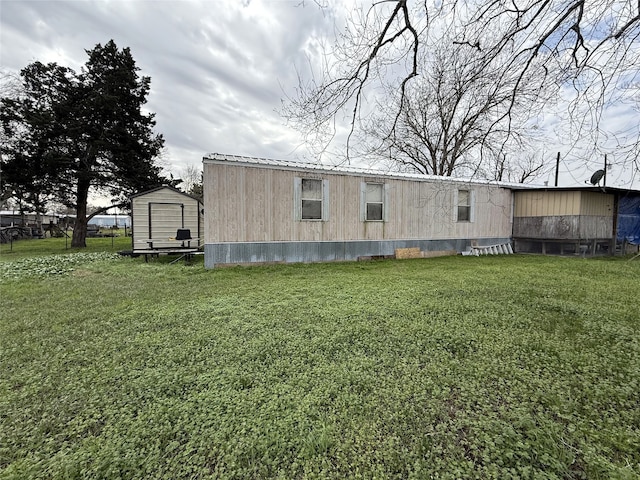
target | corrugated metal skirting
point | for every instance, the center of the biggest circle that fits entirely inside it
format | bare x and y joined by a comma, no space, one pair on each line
293,252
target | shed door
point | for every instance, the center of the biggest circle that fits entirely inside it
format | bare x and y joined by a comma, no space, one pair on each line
164,221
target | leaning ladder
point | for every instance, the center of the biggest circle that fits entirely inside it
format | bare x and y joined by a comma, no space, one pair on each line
498,249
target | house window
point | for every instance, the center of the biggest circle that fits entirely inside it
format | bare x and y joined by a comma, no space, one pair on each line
311,199
464,206
374,201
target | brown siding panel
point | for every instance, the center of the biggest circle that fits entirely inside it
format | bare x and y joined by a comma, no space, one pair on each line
596,204
546,203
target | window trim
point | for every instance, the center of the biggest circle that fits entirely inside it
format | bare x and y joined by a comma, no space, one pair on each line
297,200
470,205
364,203
304,199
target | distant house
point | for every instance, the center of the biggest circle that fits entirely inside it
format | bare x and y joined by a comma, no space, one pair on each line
157,215
15,217
574,219
260,210
111,221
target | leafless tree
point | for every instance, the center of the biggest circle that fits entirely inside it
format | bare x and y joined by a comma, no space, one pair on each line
515,166
190,176
10,87
191,181
456,113
587,49
10,84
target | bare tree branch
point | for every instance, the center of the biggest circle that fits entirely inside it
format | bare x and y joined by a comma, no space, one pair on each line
535,46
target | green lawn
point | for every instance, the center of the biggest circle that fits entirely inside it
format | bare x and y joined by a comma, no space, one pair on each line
29,248
457,367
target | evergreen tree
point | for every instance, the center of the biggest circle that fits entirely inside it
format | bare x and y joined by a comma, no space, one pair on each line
70,133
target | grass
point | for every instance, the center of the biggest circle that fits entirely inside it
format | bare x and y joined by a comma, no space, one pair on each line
49,246
490,367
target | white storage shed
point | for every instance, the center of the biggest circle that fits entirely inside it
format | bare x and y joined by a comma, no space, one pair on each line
164,217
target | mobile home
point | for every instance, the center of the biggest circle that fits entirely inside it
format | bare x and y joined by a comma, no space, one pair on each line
261,211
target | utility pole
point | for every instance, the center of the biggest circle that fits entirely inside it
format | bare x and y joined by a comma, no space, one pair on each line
557,168
604,177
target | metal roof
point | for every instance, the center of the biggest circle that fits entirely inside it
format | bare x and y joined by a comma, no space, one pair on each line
579,188
349,170
162,187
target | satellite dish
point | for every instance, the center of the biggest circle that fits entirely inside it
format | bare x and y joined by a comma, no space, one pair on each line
596,177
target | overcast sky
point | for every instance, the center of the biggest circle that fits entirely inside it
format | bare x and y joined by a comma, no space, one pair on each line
219,68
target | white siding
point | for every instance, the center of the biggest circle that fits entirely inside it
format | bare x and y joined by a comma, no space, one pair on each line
256,204
170,210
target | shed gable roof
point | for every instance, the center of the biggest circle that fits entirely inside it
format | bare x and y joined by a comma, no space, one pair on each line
163,187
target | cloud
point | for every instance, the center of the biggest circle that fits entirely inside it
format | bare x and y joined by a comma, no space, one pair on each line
218,68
